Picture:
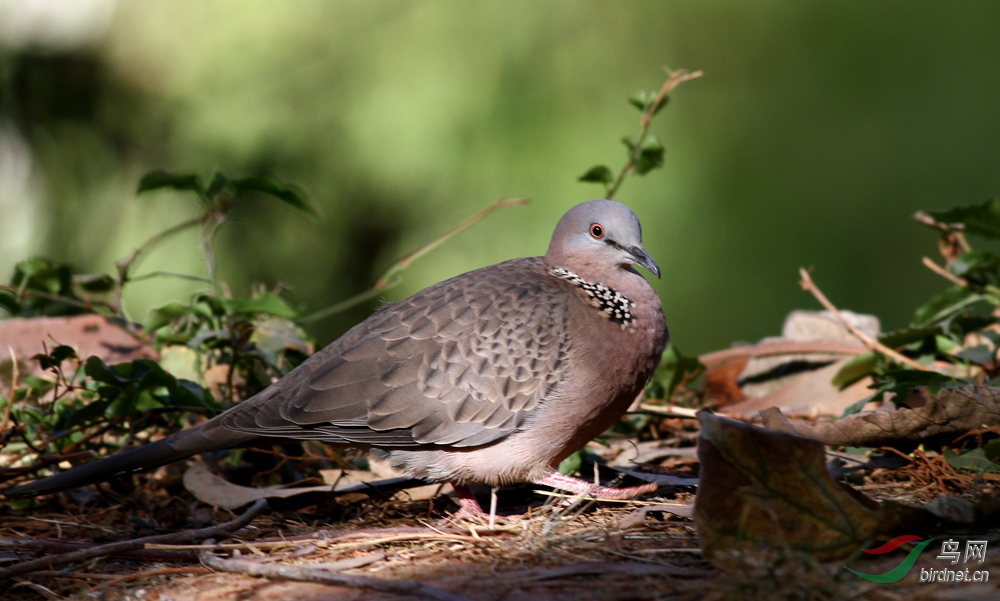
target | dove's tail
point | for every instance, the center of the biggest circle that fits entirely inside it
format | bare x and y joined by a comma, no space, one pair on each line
209,436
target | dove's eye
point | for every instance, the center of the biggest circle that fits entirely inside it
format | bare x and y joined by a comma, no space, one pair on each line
597,230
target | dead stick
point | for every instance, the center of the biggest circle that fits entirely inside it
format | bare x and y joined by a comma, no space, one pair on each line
941,271
668,410
53,546
323,576
50,561
808,285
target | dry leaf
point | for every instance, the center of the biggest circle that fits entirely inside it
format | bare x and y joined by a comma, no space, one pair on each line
808,393
950,411
763,489
213,490
793,371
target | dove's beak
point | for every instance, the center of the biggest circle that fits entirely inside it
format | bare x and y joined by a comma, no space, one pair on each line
642,258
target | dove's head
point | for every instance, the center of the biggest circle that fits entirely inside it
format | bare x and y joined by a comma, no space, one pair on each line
598,237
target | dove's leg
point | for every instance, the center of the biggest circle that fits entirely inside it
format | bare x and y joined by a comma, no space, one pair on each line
468,505
582,487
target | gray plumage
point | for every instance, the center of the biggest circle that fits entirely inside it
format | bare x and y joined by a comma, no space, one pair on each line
493,376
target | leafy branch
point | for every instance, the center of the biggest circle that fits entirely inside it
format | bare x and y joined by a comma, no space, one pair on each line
645,152
41,287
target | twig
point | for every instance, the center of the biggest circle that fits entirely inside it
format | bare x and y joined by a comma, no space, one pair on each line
323,576
392,276
952,243
170,274
87,305
51,546
273,544
808,285
668,410
76,575
586,496
124,264
130,545
675,79
493,507
941,271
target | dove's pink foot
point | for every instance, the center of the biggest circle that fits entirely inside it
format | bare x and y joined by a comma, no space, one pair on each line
582,487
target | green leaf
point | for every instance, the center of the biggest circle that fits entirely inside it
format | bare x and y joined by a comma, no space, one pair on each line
976,265
858,406
855,369
9,303
629,142
980,354
599,174
158,179
275,336
55,357
650,155
272,186
571,464
674,368
974,460
90,412
900,338
901,381
44,276
140,371
983,219
162,316
642,99
266,302
219,184
94,282
144,402
944,305
190,394
945,345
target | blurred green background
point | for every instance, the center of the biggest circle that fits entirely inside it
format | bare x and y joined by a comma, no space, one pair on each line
816,131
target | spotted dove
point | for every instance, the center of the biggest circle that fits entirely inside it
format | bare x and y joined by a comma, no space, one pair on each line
493,377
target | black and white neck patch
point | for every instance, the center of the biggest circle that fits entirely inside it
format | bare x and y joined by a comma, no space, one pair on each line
611,303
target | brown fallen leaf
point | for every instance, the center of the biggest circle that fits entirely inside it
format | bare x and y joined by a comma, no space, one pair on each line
763,489
793,371
809,393
950,411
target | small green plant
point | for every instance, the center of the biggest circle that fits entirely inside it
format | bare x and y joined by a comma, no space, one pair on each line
953,337
645,151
